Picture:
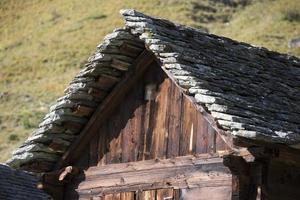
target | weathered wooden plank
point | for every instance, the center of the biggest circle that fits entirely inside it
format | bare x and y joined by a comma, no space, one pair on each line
160,132
127,141
109,197
123,115
188,125
115,149
226,137
220,144
174,125
181,172
212,134
102,139
117,196
127,196
93,158
151,109
115,132
144,132
202,134
83,161
194,131
153,76
148,195
138,124
106,108
131,113
177,194
164,194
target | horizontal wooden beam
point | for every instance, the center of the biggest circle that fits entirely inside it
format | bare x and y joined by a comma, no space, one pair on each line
182,172
266,152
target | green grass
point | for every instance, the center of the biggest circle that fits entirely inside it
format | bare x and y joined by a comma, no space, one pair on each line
43,44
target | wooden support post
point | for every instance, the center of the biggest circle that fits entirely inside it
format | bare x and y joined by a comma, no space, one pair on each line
53,182
246,177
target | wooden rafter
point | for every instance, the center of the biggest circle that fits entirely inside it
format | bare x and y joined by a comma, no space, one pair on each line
106,108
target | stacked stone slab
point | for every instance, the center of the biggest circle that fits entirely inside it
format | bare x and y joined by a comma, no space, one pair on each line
66,118
251,92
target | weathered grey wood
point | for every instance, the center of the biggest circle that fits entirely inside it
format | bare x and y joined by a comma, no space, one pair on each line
207,193
181,172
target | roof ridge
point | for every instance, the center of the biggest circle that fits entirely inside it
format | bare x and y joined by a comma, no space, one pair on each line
150,20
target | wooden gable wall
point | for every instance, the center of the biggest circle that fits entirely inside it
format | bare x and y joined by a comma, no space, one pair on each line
165,127
139,129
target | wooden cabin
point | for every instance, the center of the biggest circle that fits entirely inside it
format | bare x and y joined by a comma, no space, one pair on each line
162,111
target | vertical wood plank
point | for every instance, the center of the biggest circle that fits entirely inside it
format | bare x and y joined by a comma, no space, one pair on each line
114,153
109,197
115,139
164,194
139,123
212,140
102,133
176,194
96,198
151,109
83,161
133,128
202,134
127,140
194,131
188,127
127,196
116,196
148,195
144,127
220,144
160,132
174,118
127,128
145,131
93,158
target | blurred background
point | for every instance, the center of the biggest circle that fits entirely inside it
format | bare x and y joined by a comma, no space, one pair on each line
44,43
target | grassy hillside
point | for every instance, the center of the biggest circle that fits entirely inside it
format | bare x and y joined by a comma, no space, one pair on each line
44,43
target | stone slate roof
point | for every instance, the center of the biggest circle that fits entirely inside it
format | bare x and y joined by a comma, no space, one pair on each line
250,91
17,185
